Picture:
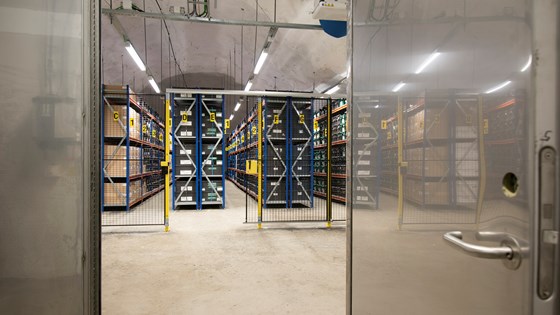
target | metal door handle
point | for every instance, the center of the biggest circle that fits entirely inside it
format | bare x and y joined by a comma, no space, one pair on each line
455,239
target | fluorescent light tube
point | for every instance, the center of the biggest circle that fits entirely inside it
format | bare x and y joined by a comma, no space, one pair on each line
398,87
231,117
135,57
494,89
237,106
153,84
260,62
333,89
527,65
248,86
427,62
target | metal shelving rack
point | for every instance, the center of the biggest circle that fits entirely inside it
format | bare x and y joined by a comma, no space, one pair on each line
132,149
287,152
337,133
441,149
198,156
211,147
367,144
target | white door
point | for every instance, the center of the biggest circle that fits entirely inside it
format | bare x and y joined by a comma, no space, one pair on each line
454,103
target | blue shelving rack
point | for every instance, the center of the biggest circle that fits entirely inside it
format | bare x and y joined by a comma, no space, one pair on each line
199,159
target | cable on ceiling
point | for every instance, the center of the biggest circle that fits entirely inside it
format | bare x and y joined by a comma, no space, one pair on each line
171,45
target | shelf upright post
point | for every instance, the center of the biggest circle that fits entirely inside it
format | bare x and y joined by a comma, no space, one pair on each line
452,124
224,160
400,164
481,161
198,152
127,148
259,163
309,121
329,163
102,149
288,126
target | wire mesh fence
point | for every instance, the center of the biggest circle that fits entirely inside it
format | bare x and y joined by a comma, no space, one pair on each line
133,148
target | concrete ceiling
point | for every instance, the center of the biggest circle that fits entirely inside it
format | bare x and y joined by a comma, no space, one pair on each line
211,56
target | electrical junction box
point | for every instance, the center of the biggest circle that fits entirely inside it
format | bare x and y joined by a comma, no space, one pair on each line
334,10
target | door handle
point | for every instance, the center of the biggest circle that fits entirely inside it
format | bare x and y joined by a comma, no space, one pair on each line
509,250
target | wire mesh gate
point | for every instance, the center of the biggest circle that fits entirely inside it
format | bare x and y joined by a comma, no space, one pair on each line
134,163
289,160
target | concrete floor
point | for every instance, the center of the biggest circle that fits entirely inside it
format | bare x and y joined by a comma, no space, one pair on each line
212,263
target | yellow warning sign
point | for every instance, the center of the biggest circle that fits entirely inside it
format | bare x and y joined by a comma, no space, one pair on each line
116,115
383,124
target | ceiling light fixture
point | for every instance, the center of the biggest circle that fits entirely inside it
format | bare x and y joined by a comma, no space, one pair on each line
260,62
237,106
333,89
427,62
153,84
527,65
501,86
132,52
231,117
398,87
248,86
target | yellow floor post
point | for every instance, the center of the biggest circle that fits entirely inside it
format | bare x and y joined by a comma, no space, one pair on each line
400,137
259,164
166,163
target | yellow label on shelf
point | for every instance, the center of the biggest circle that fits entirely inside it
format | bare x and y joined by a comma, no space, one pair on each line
227,123
325,132
468,119
131,122
421,125
144,129
389,135
316,125
212,117
160,137
254,130
436,118
154,133
276,119
302,119
242,138
251,166
383,124
485,127
184,117
116,115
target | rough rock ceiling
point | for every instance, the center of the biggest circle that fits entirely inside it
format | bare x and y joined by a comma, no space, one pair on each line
210,56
